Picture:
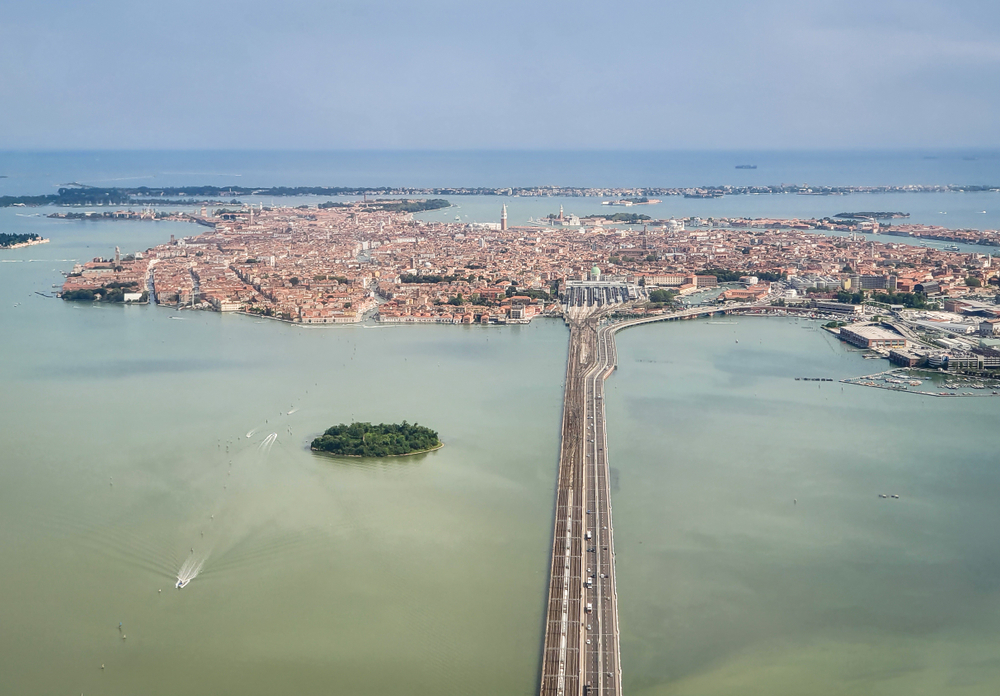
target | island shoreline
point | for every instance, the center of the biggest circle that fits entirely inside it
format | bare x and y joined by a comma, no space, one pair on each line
388,456
21,245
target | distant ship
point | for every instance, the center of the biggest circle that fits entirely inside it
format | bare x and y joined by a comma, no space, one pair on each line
746,166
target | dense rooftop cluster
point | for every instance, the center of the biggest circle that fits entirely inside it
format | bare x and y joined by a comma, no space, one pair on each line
337,264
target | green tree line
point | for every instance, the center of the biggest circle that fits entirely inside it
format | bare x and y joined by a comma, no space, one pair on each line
726,276
395,206
382,440
7,240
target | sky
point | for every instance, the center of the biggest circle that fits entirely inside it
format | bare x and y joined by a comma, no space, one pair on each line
538,74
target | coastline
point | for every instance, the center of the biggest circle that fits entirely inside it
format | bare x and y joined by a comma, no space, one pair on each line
388,456
21,245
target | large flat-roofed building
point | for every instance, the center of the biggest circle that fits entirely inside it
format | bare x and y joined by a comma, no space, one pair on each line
667,279
837,307
906,358
754,292
870,282
989,359
989,327
871,336
960,360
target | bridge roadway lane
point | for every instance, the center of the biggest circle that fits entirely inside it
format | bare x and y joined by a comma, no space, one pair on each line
581,653
602,662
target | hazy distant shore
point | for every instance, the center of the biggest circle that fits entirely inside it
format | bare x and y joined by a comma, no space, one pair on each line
80,195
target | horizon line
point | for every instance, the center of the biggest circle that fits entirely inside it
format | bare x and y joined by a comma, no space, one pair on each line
502,150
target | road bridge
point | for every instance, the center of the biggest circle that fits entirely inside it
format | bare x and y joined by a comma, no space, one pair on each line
581,652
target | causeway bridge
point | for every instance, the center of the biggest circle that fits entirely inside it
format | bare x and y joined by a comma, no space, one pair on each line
581,652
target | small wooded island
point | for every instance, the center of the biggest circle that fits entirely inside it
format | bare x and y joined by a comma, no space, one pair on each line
14,241
382,440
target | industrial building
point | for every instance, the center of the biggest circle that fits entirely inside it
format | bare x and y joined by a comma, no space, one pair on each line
870,282
871,336
832,307
906,358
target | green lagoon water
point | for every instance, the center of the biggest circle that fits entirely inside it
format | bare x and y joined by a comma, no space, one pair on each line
125,445
730,586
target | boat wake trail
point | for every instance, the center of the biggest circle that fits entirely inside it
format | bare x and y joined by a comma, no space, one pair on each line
250,434
267,443
189,571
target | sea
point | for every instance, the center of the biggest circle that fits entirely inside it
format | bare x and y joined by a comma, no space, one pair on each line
754,553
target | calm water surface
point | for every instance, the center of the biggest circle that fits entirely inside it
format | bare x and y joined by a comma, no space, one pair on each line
42,172
133,435
125,432
730,586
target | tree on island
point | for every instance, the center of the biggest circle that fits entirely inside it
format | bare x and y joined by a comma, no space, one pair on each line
7,240
382,440
393,205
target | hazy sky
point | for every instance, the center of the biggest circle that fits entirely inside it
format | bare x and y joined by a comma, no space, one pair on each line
539,74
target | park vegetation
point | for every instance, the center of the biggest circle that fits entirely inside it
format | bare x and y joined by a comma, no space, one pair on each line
727,276
662,296
112,292
382,440
910,300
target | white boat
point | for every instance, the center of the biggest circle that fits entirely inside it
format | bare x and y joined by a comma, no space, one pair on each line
181,584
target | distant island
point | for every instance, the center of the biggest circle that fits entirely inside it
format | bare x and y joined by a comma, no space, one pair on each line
392,206
644,200
82,195
382,440
627,218
15,241
878,215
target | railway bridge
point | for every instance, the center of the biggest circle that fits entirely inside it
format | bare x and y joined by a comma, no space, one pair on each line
581,652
